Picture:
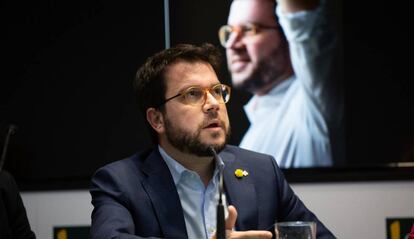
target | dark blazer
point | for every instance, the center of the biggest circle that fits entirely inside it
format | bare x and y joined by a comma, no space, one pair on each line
13,218
136,197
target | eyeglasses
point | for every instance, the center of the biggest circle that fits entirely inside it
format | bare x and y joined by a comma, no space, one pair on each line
197,96
250,29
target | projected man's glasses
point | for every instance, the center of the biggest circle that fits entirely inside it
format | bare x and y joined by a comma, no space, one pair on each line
226,32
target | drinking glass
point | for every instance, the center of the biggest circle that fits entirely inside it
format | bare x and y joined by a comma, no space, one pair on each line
295,230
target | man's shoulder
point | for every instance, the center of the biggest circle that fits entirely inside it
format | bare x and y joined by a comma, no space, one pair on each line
6,180
121,174
129,163
245,154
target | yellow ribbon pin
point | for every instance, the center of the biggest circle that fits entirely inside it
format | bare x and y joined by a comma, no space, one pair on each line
239,173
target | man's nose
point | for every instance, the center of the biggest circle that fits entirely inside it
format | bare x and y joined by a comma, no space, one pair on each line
211,103
235,40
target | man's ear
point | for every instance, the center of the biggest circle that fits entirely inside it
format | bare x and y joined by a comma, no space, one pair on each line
155,119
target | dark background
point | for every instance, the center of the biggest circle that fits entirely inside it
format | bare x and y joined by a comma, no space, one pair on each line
67,83
67,72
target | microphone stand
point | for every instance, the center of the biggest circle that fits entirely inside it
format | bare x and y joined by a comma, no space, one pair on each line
221,224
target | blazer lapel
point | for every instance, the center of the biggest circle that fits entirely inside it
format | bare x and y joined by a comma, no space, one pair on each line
163,194
240,192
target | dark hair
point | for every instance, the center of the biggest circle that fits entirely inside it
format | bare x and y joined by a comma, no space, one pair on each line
149,83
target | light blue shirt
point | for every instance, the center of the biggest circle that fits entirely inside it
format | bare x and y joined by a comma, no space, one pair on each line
199,203
291,121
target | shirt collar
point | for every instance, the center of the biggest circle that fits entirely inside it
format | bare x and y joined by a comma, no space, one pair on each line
177,169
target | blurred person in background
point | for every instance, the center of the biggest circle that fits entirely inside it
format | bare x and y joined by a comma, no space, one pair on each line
290,61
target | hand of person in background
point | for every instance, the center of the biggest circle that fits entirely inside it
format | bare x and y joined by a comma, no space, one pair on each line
291,6
231,234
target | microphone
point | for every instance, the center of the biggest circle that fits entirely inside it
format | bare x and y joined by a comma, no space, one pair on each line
11,130
221,224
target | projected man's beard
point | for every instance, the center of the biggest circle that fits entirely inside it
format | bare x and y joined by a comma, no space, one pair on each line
191,143
265,71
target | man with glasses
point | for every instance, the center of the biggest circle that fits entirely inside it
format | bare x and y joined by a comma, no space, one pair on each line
289,62
171,191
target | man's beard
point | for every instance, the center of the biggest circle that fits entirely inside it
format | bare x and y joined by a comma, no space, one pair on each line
264,73
191,143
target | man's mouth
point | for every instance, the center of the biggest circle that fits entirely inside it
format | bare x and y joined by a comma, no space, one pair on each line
238,64
213,125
